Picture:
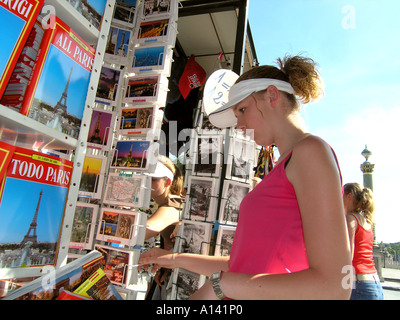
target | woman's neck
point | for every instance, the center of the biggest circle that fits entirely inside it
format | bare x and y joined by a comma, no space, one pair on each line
286,145
161,199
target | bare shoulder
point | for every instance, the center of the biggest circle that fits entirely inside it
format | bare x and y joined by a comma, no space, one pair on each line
313,158
352,223
165,213
312,144
312,150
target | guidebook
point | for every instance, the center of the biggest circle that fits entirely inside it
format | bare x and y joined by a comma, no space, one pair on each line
33,195
19,80
16,19
83,276
57,90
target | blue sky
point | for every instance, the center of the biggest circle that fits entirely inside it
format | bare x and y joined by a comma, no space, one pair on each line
57,68
7,20
18,206
355,43
99,5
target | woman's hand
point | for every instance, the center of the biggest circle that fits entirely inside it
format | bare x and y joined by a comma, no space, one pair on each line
157,257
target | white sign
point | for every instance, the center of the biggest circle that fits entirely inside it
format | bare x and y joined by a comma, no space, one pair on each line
217,88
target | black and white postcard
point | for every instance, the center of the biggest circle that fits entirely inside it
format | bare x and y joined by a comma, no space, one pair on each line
201,199
232,195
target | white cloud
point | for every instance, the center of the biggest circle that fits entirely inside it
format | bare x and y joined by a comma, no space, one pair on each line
379,128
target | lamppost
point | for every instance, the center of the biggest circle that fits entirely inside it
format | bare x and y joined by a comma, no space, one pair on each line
367,169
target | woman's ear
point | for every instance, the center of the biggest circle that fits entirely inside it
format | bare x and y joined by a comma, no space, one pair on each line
272,95
168,182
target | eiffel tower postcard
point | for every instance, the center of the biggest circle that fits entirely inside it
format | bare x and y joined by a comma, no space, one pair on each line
56,95
32,203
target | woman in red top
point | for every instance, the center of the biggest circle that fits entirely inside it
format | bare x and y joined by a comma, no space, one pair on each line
291,240
359,207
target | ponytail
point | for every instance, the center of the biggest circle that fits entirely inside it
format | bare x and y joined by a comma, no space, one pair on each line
303,75
367,205
300,72
363,200
177,184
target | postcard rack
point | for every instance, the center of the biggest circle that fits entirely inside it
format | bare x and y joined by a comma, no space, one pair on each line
118,144
219,173
120,109
16,127
130,100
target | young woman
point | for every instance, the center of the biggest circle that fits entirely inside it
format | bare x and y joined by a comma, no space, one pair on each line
291,241
166,191
359,207
167,188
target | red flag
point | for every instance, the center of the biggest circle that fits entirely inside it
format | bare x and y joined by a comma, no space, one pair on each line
193,77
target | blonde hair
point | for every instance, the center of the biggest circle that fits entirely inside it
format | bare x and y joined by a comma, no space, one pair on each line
363,200
300,72
176,187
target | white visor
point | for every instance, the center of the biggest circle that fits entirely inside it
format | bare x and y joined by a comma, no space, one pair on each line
162,172
224,117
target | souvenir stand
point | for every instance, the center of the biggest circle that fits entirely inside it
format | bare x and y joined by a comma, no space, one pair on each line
45,129
137,62
219,163
114,147
130,48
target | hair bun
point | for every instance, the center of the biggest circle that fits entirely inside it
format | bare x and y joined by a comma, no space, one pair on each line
303,75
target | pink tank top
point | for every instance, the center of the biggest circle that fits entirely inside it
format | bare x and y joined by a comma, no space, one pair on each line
269,236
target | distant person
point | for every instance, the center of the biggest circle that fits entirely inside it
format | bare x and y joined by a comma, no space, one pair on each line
166,191
359,207
291,240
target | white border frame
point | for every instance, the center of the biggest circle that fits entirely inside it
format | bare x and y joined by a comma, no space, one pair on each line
218,157
100,178
128,267
160,89
211,201
153,126
204,246
108,130
90,227
235,145
201,279
133,231
132,10
115,58
141,196
164,63
225,200
172,11
151,155
222,230
117,86
168,38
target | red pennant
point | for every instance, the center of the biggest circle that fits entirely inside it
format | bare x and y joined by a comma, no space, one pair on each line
193,77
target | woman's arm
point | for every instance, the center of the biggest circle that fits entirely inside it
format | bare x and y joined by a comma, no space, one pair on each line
201,264
162,218
352,225
314,175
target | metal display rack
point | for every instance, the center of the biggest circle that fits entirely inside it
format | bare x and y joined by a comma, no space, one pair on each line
17,129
